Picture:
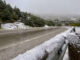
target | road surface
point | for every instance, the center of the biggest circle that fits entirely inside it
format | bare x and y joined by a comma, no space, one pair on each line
13,44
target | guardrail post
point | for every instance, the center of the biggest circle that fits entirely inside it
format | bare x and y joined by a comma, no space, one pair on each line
74,29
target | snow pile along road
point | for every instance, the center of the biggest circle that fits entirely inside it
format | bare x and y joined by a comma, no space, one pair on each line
15,25
42,51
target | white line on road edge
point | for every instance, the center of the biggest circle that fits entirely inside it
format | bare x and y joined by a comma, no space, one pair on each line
28,40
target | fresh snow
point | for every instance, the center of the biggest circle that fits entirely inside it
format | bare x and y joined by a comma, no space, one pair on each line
46,26
15,25
8,26
73,39
77,29
47,47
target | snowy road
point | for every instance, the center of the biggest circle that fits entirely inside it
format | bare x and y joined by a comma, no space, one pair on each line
8,45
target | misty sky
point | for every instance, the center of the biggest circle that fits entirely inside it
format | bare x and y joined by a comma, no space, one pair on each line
47,6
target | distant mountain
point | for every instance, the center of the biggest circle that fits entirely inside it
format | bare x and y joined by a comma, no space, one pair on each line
56,16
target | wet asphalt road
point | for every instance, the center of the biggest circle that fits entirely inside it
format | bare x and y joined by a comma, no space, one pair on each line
14,43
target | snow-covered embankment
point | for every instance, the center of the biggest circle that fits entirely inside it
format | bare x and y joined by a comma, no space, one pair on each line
42,51
13,26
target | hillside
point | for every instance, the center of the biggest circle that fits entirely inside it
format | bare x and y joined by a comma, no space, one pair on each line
11,15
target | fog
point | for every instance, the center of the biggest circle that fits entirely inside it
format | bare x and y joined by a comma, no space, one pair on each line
47,6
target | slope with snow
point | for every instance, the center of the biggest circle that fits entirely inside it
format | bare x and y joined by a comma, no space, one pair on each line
15,25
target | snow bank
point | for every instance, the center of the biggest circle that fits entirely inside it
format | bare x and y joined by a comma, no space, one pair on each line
20,25
73,39
47,47
15,25
77,29
46,26
8,26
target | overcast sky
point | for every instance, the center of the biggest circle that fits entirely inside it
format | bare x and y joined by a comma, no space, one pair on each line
47,6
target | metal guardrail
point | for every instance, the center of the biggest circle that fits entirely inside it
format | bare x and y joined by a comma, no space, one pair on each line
63,50
59,53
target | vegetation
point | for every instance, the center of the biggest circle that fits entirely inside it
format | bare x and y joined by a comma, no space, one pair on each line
75,23
9,14
50,23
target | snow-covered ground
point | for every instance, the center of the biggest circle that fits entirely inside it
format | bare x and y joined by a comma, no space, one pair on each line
15,25
38,52
46,26
77,29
